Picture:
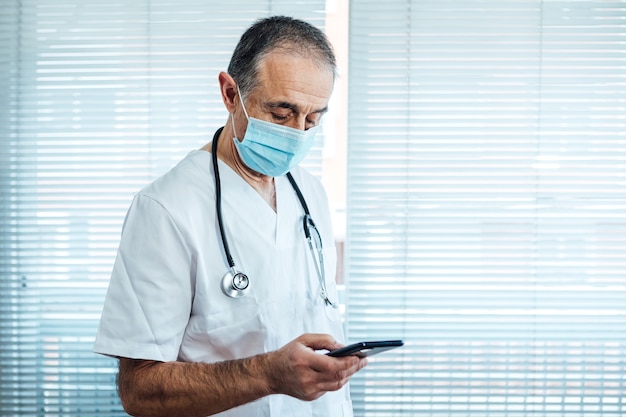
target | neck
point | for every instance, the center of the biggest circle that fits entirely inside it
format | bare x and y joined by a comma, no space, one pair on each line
227,152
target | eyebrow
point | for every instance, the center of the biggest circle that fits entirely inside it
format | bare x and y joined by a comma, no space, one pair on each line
291,106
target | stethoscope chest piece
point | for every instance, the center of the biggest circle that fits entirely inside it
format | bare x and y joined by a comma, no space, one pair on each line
235,284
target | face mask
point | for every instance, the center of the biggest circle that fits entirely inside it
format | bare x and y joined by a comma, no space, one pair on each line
273,149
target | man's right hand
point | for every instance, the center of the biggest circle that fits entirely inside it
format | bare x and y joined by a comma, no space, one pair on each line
299,371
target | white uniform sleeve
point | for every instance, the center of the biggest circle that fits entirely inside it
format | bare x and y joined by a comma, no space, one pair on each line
149,298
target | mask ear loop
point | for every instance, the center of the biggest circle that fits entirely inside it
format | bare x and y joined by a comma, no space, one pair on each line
232,122
243,106
232,116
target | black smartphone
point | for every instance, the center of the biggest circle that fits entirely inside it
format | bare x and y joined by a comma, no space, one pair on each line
363,349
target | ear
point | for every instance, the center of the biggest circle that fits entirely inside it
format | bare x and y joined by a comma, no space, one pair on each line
228,89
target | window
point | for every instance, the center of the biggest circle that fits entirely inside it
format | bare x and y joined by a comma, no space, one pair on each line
487,206
486,191
97,98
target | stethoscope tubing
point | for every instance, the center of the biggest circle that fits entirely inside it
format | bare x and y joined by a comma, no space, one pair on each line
229,286
218,200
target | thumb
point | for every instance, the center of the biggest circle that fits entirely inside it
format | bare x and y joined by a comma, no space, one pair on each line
318,341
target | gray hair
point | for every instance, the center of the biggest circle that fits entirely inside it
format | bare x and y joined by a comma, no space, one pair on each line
291,35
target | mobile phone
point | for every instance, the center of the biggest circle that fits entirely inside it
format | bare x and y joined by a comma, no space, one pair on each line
363,349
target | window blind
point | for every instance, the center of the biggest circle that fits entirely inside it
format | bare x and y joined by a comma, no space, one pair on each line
97,99
487,206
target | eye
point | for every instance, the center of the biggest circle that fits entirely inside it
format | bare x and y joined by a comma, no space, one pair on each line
313,120
279,117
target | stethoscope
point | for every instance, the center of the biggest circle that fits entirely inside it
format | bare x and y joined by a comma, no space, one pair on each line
235,283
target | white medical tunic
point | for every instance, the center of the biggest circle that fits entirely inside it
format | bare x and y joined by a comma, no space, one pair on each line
165,301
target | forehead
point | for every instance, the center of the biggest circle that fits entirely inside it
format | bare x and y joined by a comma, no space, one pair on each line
294,79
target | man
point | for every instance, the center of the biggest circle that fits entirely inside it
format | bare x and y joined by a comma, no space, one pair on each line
194,341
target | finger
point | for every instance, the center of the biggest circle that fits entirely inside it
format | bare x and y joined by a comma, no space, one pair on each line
317,341
334,381
329,365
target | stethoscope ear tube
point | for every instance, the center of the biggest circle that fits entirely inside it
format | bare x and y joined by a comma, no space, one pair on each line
307,222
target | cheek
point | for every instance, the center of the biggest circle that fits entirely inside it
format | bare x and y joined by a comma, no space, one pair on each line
240,124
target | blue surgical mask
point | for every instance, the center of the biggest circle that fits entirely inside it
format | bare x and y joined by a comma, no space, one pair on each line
272,149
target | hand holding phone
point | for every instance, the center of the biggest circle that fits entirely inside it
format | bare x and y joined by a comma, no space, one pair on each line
363,349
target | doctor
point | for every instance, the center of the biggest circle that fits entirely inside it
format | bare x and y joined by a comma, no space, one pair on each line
222,298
